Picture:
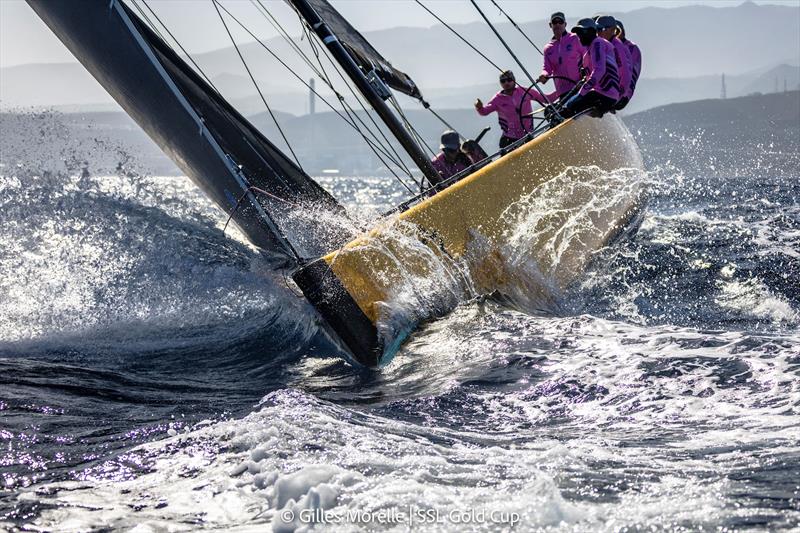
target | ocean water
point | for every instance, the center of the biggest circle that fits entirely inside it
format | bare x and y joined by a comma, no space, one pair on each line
157,375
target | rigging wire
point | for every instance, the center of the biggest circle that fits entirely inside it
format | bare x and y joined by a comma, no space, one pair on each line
434,15
147,19
517,27
269,109
446,25
351,113
502,41
399,160
355,94
534,84
299,78
347,108
200,70
437,115
419,139
409,126
323,75
287,38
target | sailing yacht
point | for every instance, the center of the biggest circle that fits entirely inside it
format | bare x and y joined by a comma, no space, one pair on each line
353,283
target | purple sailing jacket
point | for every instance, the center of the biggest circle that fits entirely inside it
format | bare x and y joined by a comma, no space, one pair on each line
447,169
507,107
562,57
636,62
603,77
623,57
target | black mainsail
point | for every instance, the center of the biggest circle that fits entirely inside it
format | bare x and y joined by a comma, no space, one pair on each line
207,138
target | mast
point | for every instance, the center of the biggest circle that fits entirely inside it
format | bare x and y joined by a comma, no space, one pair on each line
366,87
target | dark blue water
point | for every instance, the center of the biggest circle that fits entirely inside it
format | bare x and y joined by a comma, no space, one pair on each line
155,371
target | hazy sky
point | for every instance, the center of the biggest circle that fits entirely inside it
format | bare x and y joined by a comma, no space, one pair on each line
25,39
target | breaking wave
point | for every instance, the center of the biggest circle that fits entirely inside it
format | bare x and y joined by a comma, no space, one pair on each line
156,373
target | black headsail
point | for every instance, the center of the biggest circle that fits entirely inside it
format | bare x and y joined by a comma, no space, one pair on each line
209,140
362,52
368,70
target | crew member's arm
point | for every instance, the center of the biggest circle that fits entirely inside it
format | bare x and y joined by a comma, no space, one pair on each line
549,68
636,65
625,66
598,67
485,109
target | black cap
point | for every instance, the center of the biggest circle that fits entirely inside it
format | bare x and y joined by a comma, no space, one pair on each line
558,15
606,21
450,141
507,74
584,25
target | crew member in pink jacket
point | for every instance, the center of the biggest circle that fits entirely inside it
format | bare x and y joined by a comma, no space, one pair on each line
636,56
600,90
607,29
562,57
511,103
450,160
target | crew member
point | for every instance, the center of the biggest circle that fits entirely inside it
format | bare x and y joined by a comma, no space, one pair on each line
636,55
607,29
600,89
512,102
450,160
562,57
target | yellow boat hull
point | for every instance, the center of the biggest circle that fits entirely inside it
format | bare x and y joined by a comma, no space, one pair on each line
470,223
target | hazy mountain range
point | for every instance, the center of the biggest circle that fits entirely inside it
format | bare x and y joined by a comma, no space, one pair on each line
685,50
760,131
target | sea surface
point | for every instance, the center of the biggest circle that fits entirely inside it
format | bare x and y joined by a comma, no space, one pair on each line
156,374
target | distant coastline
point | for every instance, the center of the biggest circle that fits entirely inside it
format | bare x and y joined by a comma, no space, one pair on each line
758,125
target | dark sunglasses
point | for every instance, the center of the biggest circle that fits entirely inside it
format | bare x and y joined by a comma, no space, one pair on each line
506,80
557,21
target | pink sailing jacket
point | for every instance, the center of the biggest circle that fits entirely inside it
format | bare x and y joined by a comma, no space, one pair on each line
507,110
636,62
603,78
623,57
447,169
562,57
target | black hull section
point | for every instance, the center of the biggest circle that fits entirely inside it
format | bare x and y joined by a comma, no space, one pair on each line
342,314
